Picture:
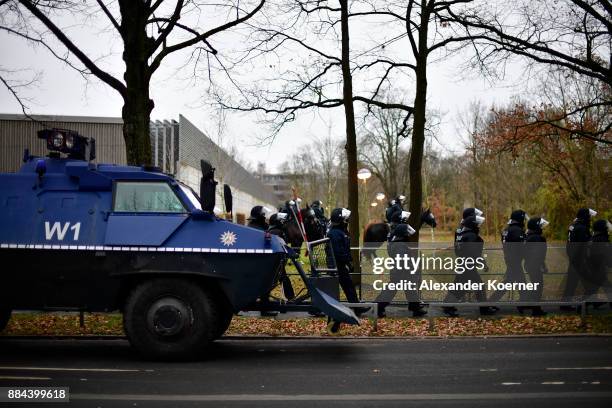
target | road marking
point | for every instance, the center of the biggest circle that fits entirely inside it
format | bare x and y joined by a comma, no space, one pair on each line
578,368
101,370
9,377
553,383
510,383
488,369
339,397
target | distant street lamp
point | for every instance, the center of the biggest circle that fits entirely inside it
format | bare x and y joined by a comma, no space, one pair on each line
365,174
374,204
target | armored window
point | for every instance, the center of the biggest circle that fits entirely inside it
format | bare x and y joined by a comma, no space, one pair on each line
145,196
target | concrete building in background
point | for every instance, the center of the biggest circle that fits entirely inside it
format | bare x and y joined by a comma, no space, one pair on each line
176,147
280,184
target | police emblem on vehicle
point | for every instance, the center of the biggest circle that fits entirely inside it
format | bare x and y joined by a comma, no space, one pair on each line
228,238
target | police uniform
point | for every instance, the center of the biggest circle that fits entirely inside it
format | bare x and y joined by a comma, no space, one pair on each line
277,228
341,246
468,244
579,234
319,213
599,260
257,220
513,238
398,245
535,260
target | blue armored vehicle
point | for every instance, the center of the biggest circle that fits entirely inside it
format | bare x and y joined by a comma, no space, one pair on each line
75,235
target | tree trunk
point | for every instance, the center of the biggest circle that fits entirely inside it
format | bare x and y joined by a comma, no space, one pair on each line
137,105
351,134
418,131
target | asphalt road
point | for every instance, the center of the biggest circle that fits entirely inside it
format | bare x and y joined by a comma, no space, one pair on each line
556,372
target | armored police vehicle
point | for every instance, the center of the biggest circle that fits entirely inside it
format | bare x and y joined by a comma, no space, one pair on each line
75,235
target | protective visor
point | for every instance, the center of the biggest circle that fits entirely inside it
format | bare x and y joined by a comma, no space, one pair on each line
346,213
543,223
592,212
411,231
479,219
477,212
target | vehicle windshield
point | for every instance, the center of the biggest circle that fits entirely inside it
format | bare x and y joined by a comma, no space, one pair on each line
191,195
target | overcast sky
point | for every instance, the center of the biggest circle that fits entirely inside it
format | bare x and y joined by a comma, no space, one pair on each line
62,91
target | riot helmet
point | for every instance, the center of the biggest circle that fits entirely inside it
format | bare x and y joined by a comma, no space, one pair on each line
536,223
278,219
340,216
602,226
258,214
400,216
402,232
471,211
585,214
473,222
518,217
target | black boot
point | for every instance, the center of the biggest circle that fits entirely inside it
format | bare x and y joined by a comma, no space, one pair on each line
450,311
487,311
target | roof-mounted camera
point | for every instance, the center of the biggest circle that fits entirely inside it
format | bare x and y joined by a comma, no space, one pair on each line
68,142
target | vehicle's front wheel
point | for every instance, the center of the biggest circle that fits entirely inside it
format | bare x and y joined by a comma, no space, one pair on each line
5,316
225,318
170,318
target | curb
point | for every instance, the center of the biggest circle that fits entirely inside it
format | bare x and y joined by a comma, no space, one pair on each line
266,337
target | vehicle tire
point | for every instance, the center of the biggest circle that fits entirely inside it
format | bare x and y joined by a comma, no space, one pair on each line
5,316
225,318
170,318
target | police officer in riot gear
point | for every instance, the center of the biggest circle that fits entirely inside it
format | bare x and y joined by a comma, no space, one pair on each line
398,245
513,237
341,245
599,260
579,233
319,212
257,219
535,260
277,227
468,244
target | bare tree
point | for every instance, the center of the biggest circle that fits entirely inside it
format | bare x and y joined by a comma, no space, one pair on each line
323,80
150,30
383,148
571,37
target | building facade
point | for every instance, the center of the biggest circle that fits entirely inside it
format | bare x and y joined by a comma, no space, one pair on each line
176,147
